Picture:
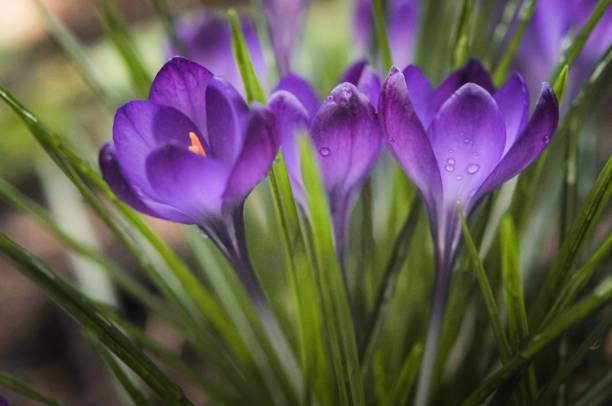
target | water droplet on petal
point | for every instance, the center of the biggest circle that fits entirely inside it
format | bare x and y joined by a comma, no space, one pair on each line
450,161
394,69
467,140
472,168
324,151
330,99
459,177
449,168
391,140
546,139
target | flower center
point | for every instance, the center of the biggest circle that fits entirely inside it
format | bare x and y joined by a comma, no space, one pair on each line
196,146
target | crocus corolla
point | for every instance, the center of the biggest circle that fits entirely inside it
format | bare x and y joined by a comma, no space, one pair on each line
344,131
457,143
207,40
191,153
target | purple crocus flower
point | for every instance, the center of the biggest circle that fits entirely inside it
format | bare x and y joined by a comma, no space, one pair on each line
208,41
551,23
402,24
285,20
344,130
191,153
457,143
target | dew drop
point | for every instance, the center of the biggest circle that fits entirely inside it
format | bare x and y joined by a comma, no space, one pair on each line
472,168
394,69
459,177
449,168
450,161
546,139
324,151
391,140
467,141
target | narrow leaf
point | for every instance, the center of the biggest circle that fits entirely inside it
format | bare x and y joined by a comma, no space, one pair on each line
382,40
400,391
23,389
462,35
336,313
243,60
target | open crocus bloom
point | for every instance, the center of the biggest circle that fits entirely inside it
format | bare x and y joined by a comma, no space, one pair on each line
208,41
344,130
191,153
461,140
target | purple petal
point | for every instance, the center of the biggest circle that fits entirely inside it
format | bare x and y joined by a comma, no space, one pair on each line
365,78
209,42
347,136
142,126
513,101
421,94
226,116
402,24
468,136
182,84
258,153
302,90
292,117
529,145
471,72
406,137
192,184
353,73
111,172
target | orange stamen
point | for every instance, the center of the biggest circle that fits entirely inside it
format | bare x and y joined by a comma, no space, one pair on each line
196,146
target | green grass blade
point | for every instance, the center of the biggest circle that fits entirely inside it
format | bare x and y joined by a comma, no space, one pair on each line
578,42
560,83
336,313
400,391
461,46
85,313
118,33
590,211
387,287
600,296
380,30
75,52
23,389
524,17
487,293
241,54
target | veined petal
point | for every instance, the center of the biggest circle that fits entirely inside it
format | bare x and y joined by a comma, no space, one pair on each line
529,145
302,90
182,84
258,153
468,136
347,136
111,172
513,101
192,184
406,137
471,72
226,117
420,93
142,126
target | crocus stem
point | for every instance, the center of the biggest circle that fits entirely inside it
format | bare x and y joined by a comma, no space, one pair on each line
443,275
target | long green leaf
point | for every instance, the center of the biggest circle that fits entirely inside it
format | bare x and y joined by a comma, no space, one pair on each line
16,385
461,45
378,11
336,313
401,389
85,313
601,295
487,292
117,31
587,217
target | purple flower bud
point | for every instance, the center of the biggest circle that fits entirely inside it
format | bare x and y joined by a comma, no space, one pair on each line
344,130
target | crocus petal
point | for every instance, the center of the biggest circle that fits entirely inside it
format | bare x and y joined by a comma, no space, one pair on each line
365,78
471,72
347,136
421,94
258,153
406,137
142,126
468,139
182,84
226,115
192,184
402,24
111,172
513,101
529,145
208,41
302,90
353,72
292,117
